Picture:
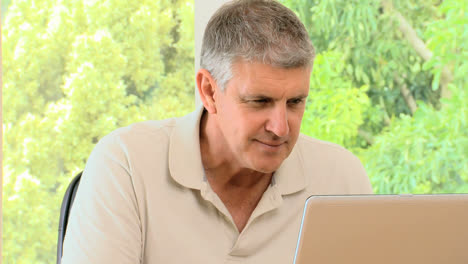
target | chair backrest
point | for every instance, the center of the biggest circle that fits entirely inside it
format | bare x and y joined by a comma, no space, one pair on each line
65,212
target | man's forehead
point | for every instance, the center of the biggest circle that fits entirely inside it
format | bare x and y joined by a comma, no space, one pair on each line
259,91
257,71
263,70
271,84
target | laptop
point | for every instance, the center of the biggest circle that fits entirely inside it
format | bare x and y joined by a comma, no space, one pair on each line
380,229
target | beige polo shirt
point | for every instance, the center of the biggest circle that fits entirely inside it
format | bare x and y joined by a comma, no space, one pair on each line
143,198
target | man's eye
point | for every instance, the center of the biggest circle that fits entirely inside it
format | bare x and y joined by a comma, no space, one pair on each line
260,101
296,101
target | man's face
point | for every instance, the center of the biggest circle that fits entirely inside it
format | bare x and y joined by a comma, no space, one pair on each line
260,112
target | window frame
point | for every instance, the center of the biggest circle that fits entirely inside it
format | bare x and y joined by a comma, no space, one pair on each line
204,9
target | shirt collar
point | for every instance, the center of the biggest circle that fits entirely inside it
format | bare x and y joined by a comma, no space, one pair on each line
186,168
290,176
185,164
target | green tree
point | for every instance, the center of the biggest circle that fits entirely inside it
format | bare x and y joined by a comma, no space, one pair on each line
4,8
335,108
409,55
429,152
73,72
377,51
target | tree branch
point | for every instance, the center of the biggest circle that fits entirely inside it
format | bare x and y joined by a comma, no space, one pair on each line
409,99
387,120
366,136
419,46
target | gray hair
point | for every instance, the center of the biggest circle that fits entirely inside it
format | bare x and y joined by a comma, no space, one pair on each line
254,30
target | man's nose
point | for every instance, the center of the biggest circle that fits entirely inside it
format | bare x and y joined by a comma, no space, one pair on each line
278,121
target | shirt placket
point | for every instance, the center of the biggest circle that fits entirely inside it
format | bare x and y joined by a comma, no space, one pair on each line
239,252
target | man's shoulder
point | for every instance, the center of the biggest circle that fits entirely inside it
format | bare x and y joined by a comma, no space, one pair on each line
139,135
332,168
155,130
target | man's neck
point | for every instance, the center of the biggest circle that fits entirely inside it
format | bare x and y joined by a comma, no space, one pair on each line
240,189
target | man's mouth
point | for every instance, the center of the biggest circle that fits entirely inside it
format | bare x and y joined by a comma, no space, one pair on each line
271,144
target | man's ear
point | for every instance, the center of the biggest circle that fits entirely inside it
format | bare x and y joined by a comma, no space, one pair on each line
206,89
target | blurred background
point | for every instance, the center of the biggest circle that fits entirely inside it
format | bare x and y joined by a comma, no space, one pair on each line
389,83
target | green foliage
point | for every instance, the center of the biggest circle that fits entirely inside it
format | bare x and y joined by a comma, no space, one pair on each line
73,72
375,52
446,38
423,153
4,8
335,107
426,153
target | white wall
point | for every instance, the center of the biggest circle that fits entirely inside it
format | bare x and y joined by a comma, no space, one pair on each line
203,11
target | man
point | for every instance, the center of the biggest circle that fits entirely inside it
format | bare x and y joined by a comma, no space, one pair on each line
228,182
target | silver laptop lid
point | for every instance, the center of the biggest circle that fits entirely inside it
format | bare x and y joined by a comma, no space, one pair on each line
368,229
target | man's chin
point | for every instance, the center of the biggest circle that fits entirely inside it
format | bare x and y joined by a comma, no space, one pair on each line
266,162
267,166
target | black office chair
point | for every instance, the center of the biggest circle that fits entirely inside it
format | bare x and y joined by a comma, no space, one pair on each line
65,212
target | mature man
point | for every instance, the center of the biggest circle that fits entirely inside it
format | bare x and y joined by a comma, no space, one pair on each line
226,183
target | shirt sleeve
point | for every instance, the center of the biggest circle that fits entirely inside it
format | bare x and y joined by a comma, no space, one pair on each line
104,224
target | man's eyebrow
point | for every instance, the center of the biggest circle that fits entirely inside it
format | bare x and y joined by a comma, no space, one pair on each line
250,97
302,96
